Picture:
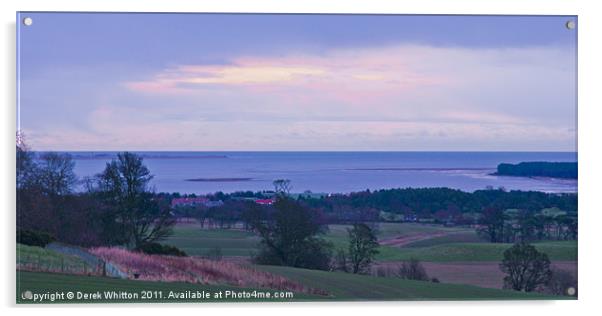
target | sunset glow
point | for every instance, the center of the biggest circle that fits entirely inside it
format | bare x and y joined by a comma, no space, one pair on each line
337,89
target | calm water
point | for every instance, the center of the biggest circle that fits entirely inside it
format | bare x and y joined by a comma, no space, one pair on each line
330,172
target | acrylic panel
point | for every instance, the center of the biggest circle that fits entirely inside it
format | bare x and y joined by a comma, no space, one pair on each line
194,157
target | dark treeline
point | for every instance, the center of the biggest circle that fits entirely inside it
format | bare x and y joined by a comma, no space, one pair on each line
117,207
499,215
510,226
443,203
410,204
564,170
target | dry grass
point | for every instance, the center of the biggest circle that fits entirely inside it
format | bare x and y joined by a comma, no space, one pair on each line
196,270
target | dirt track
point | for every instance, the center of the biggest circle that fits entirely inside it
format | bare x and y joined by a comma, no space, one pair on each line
402,241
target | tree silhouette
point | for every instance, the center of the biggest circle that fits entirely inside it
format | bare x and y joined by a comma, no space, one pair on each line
527,269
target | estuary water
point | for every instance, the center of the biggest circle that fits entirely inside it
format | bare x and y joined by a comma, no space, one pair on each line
332,172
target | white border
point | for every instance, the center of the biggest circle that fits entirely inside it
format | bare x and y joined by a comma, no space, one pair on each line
590,158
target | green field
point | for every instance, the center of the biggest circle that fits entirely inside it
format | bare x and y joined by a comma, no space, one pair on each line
337,234
197,242
557,251
456,237
389,230
340,286
462,245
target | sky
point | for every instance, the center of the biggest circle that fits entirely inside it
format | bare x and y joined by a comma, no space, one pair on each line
217,82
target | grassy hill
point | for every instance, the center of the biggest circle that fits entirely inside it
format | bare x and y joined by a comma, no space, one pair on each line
340,286
556,250
346,286
52,282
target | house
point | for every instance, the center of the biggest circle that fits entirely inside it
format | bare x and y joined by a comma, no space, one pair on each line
265,201
194,201
188,201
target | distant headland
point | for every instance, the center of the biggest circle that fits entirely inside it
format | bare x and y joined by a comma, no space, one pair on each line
563,170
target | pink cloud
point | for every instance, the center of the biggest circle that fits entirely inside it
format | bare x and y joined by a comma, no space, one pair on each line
341,75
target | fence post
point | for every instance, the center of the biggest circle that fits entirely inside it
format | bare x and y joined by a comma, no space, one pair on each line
62,264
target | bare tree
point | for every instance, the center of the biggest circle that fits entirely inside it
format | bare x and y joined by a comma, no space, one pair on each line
362,247
55,173
526,268
282,186
290,236
138,215
26,167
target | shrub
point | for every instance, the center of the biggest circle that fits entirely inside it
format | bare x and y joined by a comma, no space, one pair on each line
413,270
159,249
34,238
560,282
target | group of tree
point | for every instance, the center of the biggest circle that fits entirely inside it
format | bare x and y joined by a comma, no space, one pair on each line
500,216
224,216
528,219
290,235
117,206
509,226
452,204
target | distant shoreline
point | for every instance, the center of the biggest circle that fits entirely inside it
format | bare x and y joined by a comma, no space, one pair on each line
219,179
417,169
79,156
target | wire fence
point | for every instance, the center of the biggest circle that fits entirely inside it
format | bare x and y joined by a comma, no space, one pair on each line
69,260
60,264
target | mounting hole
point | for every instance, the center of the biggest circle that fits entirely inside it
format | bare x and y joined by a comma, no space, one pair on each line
570,25
28,21
27,295
571,291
